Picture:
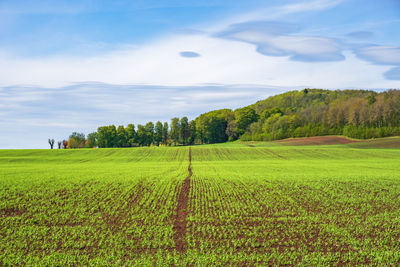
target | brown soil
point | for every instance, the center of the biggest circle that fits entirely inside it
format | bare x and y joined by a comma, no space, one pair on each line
389,142
11,212
316,140
180,222
250,145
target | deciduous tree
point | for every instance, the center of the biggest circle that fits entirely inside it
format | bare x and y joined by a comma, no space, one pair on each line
158,133
77,140
175,130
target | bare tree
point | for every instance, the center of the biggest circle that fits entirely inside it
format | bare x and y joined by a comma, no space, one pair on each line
59,143
51,143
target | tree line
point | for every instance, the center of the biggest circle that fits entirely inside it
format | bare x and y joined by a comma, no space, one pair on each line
359,114
179,132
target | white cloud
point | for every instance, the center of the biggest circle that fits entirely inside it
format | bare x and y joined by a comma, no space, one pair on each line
315,5
380,54
221,62
303,48
275,12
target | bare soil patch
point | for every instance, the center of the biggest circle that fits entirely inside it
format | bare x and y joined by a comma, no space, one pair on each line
11,212
388,142
317,140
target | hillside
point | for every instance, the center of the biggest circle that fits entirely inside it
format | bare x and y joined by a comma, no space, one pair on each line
313,112
357,114
353,113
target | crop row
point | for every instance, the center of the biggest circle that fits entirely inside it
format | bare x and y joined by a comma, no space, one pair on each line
321,215
246,205
116,206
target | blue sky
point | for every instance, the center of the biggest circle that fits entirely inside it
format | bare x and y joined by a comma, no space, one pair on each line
76,65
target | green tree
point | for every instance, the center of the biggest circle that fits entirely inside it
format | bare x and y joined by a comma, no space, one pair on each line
216,130
122,138
158,133
165,133
231,130
149,133
141,135
211,128
107,136
92,139
175,130
243,118
131,134
192,132
77,140
184,130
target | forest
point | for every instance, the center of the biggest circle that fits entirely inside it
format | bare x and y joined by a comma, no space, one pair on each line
360,114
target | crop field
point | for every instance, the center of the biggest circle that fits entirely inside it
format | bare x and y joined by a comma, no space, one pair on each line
240,204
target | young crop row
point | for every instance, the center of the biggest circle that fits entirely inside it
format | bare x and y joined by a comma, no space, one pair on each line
114,206
294,206
235,205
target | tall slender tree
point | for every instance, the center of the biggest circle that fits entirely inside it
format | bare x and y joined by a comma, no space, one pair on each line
184,130
158,133
149,136
121,137
175,130
165,133
131,135
141,135
192,132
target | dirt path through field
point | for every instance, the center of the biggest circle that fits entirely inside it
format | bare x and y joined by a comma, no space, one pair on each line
182,212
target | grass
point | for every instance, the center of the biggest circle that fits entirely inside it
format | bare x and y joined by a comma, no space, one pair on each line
248,205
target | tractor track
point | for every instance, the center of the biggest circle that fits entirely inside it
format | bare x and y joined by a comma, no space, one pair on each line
180,222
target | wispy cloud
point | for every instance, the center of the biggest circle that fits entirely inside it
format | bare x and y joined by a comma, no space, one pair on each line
273,38
189,54
279,11
393,74
304,6
360,35
82,107
222,62
388,55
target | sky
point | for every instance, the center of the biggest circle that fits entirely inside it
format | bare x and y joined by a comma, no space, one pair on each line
74,65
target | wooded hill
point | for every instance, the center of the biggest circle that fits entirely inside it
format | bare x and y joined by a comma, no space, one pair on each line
358,114
311,112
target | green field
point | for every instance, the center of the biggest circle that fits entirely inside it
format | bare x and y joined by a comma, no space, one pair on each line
225,204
